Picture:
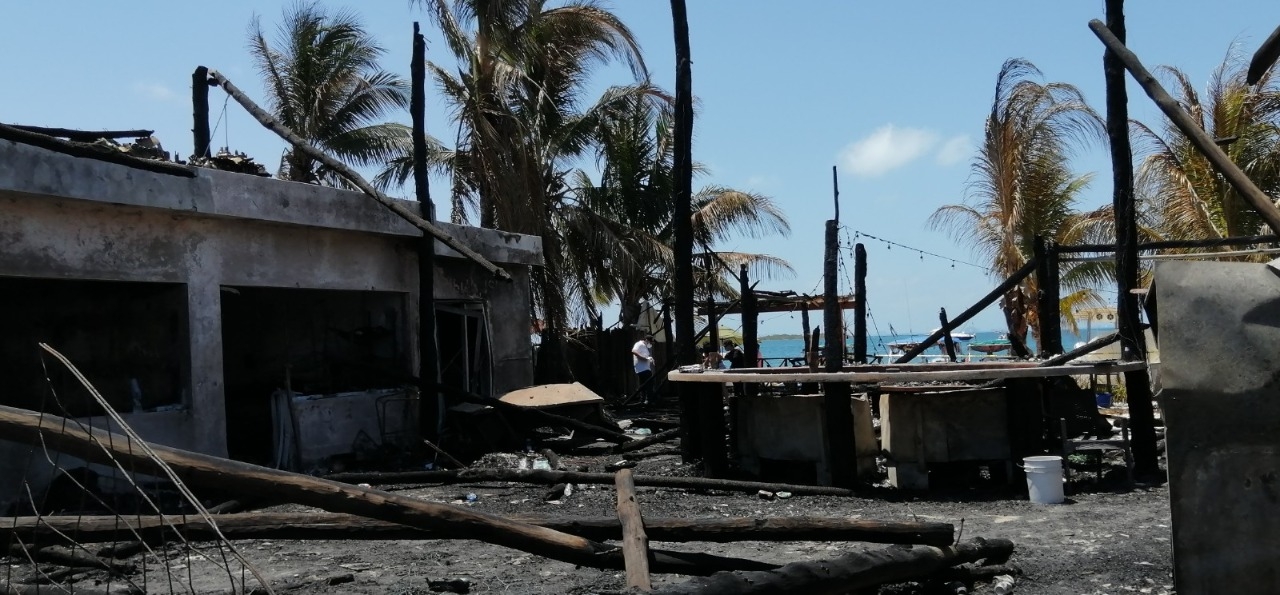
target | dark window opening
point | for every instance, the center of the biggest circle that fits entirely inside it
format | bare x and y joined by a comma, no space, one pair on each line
315,342
128,339
462,332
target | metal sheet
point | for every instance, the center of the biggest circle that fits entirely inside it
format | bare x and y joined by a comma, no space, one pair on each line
1220,342
552,395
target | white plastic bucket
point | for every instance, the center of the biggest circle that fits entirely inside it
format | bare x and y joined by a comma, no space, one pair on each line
1044,479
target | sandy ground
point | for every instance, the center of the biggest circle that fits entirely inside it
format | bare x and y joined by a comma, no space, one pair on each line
1105,539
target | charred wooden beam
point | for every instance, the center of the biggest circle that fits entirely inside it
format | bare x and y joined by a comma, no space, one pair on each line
428,354
948,342
336,526
85,136
635,544
860,299
1175,244
682,196
848,573
108,448
1196,135
1132,342
93,151
544,477
1264,58
200,135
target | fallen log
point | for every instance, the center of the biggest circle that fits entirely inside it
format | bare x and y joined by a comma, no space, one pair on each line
849,572
662,436
62,556
100,446
544,477
635,544
335,526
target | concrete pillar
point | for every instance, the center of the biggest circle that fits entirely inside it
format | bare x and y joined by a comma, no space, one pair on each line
204,329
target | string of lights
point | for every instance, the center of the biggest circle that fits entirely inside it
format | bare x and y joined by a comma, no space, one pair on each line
954,261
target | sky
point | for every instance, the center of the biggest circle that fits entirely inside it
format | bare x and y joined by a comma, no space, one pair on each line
894,94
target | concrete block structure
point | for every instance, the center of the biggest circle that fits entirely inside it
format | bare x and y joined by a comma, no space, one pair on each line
189,301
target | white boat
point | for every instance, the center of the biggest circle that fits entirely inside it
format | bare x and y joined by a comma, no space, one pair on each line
956,336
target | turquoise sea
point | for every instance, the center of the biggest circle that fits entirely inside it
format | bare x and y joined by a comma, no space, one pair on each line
775,350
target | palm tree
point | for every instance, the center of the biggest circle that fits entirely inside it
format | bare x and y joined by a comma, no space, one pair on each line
522,67
624,226
324,83
1180,194
1023,187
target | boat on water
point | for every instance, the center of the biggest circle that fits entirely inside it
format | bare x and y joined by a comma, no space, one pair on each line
990,347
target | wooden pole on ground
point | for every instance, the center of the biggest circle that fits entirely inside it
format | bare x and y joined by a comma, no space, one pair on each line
200,112
973,310
1121,56
948,342
849,573
338,526
860,301
356,179
1132,342
635,544
107,448
430,404
546,477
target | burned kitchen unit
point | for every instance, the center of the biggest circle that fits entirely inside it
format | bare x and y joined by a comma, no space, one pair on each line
236,315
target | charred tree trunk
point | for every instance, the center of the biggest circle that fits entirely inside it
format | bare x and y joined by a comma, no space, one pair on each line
682,197
1132,343
430,407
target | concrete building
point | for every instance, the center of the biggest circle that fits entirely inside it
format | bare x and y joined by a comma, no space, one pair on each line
189,301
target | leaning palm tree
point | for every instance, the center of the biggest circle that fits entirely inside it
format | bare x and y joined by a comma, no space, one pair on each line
324,83
1023,186
1181,195
522,68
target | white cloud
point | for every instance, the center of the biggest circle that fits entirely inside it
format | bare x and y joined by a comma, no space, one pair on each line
154,91
761,181
887,149
955,150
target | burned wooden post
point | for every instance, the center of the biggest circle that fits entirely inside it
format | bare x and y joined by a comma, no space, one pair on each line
837,403
1132,342
804,334
713,323
200,112
430,407
635,544
750,344
1121,56
949,344
860,302
681,213
1048,299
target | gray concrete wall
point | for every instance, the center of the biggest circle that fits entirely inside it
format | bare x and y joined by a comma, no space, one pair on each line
63,217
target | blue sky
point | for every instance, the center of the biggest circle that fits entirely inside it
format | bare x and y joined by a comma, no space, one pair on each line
894,93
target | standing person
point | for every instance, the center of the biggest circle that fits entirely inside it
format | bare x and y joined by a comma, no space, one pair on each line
642,357
736,359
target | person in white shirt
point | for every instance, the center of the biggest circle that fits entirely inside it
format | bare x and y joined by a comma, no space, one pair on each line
642,356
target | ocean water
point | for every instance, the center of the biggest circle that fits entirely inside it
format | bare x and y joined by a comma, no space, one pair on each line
774,350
